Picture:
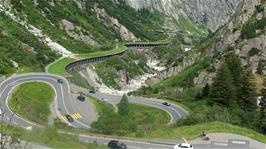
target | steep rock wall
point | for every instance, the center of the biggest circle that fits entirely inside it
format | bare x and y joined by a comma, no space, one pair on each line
210,13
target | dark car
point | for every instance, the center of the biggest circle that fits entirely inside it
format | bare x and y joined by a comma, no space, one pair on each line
69,118
60,81
166,104
92,91
113,144
81,98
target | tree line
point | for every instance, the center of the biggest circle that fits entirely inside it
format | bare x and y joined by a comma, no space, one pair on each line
233,89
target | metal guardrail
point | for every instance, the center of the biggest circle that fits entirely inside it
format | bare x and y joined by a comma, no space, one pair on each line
76,64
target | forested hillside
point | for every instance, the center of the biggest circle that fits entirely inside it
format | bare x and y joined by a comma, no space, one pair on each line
34,29
21,49
226,77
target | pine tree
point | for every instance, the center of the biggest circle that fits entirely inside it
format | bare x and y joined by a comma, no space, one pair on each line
123,106
262,117
247,93
222,90
234,65
205,90
260,68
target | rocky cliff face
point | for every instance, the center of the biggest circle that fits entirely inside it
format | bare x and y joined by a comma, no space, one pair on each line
244,35
113,22
251,49
210,13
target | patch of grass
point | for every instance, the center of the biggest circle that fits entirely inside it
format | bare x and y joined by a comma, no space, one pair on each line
187,25
194,131
25,69
32,100
79,80
59,66
118,49
140,122
49,137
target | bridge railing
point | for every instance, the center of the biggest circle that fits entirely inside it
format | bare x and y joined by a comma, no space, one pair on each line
76,64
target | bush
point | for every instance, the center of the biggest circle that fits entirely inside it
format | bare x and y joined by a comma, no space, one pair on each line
253,52
249,30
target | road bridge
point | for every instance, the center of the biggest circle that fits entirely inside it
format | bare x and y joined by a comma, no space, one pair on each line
77,65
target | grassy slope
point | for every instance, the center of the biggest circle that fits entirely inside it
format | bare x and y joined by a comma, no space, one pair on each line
49,137
118,49
58,67
187,25
141,121
31,101
50,24
194,131
17,44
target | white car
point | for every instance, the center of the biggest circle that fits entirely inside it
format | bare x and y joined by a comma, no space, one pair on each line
183,146
104,100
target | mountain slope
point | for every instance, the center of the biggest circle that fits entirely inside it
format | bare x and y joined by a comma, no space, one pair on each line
31,30
220,75
20,49
210,13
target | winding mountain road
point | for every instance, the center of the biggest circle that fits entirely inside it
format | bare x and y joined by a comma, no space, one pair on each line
65,103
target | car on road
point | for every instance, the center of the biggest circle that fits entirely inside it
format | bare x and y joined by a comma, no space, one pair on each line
60,81
69,118
114,144
81,98
166,104
104,99
92,91
183,146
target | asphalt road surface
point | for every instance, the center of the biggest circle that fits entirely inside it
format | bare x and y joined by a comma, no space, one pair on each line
65,103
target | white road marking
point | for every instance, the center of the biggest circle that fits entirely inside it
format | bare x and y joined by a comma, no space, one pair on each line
21,79
68,111
220,143
134,147
238,142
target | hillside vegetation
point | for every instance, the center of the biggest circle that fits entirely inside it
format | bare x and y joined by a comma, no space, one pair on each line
75,25
130,64
232,56
32,101
131,119
19,49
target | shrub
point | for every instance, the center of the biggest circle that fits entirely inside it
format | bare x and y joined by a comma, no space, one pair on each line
253,52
